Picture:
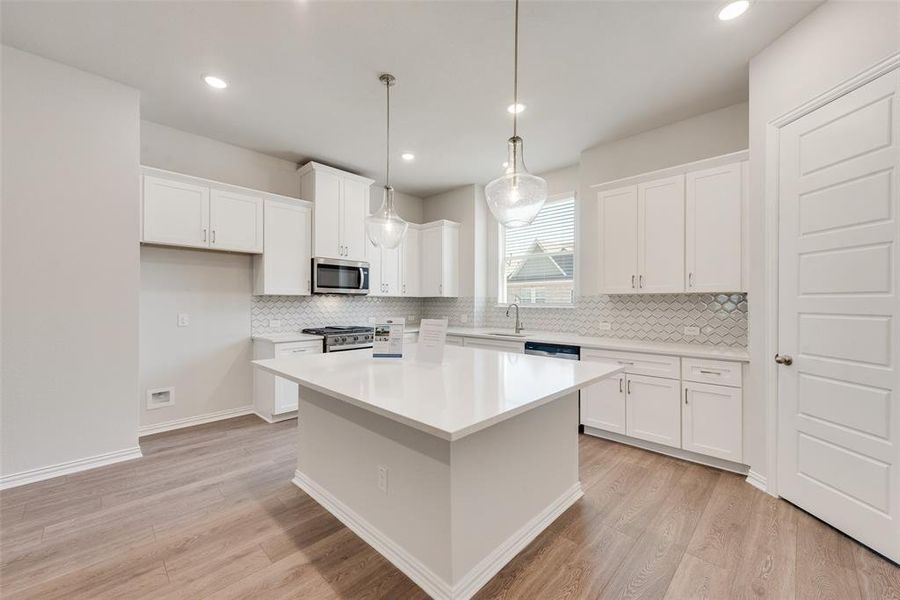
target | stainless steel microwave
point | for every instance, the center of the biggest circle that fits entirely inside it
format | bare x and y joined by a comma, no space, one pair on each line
337,276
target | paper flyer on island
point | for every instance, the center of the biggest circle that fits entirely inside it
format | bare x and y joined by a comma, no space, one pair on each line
388,341
432,339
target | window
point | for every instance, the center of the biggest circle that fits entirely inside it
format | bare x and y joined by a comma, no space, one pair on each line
538,260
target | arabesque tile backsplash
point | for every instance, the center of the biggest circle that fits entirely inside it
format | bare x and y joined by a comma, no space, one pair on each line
722,318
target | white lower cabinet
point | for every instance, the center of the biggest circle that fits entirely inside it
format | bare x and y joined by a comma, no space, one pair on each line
603,405
454,340
504,345
711,420
653,409
274,398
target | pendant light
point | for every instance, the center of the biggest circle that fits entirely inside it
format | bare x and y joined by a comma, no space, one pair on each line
516,197
384,227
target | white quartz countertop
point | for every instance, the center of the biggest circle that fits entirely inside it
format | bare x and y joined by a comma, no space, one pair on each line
471,390
290,336
604,343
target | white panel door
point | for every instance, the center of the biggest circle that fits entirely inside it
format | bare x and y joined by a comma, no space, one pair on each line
713,229
653,409
661,236
711,420
327,216
390,270
410,264
603,404
286,250
432,261
618,211
235,221
355,209
175,212
838,413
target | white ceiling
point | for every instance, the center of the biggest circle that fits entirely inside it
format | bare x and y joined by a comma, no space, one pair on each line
303,75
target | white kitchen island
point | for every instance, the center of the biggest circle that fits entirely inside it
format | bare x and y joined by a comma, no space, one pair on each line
447,470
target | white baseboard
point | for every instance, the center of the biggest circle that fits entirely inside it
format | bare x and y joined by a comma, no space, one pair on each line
67,468
276,418
709,461
758,481
220,415
434,585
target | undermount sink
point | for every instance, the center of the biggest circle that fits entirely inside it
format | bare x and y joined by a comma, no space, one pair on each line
504,334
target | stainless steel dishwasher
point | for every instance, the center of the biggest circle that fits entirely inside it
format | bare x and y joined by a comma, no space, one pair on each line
562,351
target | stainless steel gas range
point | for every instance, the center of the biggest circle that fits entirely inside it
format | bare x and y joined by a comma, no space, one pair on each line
340,339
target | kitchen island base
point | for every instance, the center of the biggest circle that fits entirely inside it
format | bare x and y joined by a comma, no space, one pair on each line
448,514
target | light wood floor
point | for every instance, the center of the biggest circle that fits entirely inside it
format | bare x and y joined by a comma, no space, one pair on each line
210,512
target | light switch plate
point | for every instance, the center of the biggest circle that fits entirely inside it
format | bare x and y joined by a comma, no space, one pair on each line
184,319
691,330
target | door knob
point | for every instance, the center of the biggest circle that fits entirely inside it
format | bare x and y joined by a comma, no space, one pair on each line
785,360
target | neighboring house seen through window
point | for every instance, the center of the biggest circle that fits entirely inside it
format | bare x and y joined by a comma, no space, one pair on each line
538,266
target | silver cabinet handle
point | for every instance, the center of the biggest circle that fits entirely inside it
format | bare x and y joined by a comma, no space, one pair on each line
624,362
685,395
691,279
308,286
785,360
632,282
620,385
213,239
628,386
641,281
204,234
705,372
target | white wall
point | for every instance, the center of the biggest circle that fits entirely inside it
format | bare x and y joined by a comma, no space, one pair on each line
710,134
408,207
70,264
832,44
465,205
175,150
208,362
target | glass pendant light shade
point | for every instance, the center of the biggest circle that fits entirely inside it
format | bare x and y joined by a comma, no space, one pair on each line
516,197
384,227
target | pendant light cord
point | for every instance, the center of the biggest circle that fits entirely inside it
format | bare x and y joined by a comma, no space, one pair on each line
387,169
516,74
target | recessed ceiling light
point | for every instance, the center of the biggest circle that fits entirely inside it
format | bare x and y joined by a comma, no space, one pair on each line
515,108
733,10
215,82
407,156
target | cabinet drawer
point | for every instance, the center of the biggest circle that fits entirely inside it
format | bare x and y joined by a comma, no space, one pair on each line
297,348
716,372
654,365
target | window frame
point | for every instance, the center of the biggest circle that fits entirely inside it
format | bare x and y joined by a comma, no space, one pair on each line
502,300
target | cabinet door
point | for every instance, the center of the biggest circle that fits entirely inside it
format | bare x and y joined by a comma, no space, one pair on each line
661,235
432,261
711,420
603,404
286,391
390,271
410,263
286,250
373,256
449,261
619,240
653,409
235,221
517,347
355,209
327,215
175,212
713,229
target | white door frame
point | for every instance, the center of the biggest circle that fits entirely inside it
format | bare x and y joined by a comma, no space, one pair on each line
770,255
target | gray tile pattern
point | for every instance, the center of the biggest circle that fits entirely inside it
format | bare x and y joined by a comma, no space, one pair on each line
722,318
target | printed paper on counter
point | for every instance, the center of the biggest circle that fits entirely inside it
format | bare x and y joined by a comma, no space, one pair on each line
388,341
432,339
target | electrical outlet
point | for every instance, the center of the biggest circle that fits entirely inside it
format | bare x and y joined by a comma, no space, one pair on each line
410,319
691,330
184,319
274,322
464,318
605,325
383,479
160,397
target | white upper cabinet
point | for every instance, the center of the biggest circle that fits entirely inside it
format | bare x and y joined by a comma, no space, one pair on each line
619,239
439,259
714,229
410,263
235,221
180,210
341,206
284,267
681,229
175,212
384,270
661,235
